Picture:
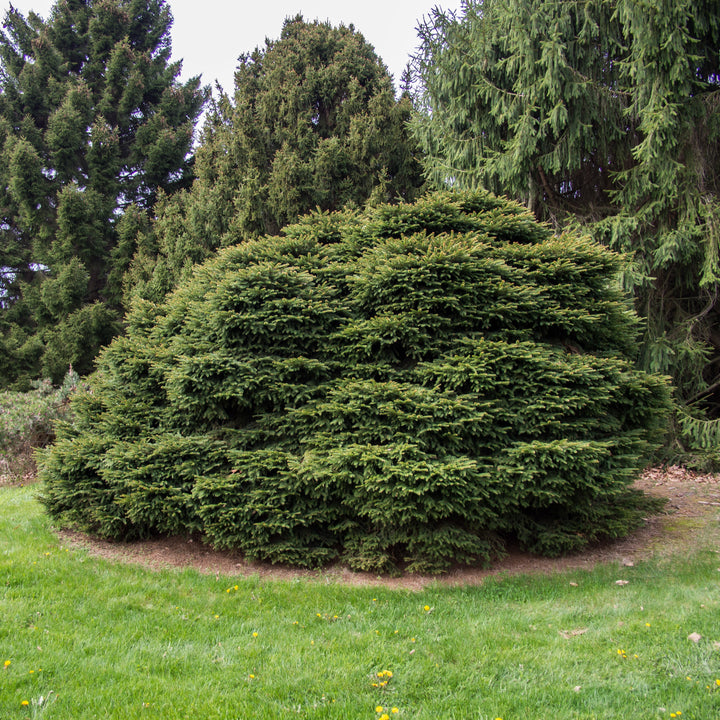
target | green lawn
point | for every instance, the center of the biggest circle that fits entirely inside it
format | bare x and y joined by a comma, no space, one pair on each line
81,637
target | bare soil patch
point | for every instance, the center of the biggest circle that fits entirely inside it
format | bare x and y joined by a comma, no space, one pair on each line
691,517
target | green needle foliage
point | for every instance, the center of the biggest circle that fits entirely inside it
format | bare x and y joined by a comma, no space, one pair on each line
602,114
405,386
93,124
313,123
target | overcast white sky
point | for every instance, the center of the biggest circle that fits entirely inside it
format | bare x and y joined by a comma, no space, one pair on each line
208,35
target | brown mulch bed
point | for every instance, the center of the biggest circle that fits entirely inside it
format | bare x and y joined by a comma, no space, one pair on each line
691,514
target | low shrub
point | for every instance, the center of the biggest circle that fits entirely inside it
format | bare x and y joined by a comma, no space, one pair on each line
408,386
27,422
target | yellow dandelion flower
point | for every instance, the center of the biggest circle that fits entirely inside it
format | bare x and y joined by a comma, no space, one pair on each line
379,709
251,676
254,634
717,682
24,702
384,716
7,663
394,711
236,587
426,608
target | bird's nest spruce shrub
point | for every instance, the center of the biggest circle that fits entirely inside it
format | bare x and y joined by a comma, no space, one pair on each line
404,387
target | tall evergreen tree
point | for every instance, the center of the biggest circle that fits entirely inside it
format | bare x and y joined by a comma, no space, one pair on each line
605,114
93,122
314,124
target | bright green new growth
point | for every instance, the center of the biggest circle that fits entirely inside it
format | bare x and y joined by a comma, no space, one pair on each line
411,385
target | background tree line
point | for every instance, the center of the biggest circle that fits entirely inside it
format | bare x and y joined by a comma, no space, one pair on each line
103,196
600,115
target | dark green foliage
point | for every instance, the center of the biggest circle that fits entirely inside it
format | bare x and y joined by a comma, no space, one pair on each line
602,115
93,125
313,123
407,386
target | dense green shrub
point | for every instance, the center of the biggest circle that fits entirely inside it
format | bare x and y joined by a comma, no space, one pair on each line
409,386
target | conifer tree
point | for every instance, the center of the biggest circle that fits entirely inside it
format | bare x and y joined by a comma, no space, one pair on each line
313,123
602,114
93,122
409,385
